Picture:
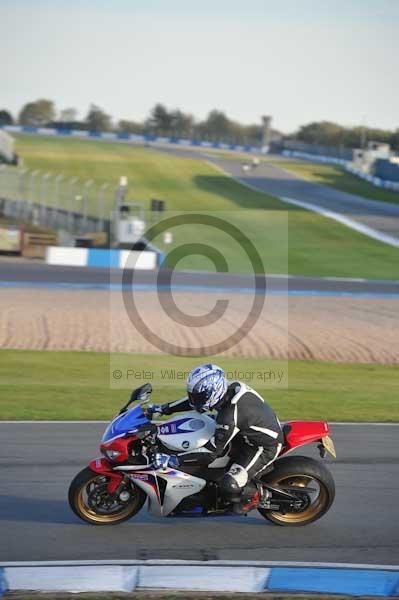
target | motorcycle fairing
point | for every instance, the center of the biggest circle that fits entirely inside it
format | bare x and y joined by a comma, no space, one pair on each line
299,433
103,467
166,488
189,431
125,423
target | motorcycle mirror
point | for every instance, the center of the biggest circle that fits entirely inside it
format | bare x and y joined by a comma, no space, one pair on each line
142,393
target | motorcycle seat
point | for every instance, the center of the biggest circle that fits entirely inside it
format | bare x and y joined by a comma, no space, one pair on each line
286,427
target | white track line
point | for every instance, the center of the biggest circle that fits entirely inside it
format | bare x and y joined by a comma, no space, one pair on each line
347,221
329,214
309,277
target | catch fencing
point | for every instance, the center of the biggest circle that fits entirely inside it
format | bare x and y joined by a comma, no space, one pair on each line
55,201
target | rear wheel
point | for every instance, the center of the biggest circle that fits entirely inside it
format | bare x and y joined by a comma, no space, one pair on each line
90,500
315,487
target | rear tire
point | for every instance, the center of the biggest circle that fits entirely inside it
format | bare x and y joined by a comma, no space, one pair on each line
87,483
301,471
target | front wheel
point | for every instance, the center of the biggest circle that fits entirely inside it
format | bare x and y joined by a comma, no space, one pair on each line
314,483
90,500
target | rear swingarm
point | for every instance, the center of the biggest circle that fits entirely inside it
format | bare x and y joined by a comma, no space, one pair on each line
286,500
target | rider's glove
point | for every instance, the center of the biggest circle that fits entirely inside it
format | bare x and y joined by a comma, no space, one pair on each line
174,462
155,410
163,461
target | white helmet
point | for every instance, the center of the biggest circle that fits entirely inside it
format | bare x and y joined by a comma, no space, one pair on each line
206,386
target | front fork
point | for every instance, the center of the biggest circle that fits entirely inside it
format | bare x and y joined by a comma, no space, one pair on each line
103,467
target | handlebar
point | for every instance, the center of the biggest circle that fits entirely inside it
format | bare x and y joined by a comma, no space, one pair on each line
149,412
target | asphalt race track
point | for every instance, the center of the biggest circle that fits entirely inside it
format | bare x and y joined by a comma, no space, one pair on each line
381,216
39,460
35,274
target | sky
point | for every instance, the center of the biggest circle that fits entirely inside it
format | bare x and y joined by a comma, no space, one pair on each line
297,60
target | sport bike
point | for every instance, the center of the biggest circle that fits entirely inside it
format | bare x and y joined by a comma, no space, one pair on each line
115,487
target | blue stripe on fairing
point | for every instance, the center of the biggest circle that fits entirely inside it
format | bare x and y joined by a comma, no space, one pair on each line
355,582
148,287
175,427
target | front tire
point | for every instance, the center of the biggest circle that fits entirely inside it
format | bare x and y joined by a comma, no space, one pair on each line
89,500
301,472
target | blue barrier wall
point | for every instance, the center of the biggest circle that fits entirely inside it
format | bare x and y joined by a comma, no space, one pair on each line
129,137
97,257
376,181
354,582
384,169
3,585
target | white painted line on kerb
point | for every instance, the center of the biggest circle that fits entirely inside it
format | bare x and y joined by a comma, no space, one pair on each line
205,564
329,214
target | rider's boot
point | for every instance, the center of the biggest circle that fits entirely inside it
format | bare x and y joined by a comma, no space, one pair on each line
253,495
242,500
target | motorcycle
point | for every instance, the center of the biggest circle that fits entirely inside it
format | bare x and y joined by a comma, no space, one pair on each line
115,487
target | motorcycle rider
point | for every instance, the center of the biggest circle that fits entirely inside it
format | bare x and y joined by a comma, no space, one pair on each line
243,420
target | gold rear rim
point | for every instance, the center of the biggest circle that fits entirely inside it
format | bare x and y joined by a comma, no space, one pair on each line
318,498
116,511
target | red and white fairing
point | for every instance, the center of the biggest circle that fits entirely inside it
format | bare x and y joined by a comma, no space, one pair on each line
166,488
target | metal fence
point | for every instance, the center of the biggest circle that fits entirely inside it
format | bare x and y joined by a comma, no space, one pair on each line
55,201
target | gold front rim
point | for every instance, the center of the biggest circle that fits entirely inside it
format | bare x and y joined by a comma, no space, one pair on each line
87,511
319,499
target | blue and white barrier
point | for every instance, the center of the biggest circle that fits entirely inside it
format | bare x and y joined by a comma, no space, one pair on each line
351,582
128,137
348,166
315,157
106,258
212,576
3,584
377,181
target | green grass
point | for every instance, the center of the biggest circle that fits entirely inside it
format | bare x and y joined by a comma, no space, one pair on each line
336,177
289,239
185,183
76,385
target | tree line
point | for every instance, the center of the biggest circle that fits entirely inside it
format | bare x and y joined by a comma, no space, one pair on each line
161,121
217,126
330,134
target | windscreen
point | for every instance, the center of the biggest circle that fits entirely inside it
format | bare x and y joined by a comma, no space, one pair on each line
124,423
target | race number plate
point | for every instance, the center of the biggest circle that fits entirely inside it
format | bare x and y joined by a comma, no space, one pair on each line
329,445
